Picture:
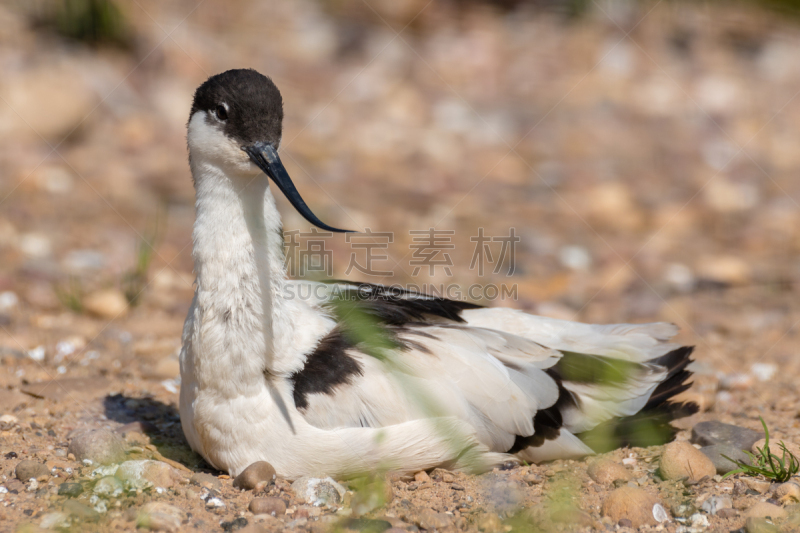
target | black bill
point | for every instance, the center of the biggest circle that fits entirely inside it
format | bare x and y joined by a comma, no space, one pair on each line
266,157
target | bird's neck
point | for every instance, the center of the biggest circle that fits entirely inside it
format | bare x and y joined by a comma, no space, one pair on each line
239,262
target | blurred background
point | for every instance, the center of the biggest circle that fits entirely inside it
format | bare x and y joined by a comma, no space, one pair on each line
644,152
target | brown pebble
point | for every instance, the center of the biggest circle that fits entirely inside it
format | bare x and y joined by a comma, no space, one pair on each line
624,522
431,520
27,470
727,513
421,477
99,446
258,472
632,503
681,460
766,510
606,472
270,506
206,481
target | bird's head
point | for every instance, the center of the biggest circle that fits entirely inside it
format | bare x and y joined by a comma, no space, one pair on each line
236,124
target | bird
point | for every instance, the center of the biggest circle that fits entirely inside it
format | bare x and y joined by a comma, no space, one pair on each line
341,378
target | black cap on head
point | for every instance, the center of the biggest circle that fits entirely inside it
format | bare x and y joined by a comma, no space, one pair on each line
247,105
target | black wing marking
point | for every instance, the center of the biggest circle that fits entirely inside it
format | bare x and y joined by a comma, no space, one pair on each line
396,306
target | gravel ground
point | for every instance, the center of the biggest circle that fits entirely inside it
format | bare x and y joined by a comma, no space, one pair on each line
645,154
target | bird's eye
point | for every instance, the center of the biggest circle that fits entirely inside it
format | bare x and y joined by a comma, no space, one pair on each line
221,112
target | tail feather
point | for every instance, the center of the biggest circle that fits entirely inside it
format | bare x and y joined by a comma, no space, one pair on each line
608,403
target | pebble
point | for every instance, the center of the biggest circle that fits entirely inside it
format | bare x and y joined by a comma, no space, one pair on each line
606,471
8,422
421,477
532,479
715,503
775,449
758,485
206,481
108,486
766,510
270,506
632,503
99,446
727,513
760,525
54,521
80,510
788,492
319,491
108,303
715,452
681,460
71,490
715,432
260,473
159,516
158,473
430,520
27,469
214,503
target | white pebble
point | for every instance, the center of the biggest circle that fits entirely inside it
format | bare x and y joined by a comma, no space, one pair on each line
32,485
763,371
214,503
8,300
575,257
37,354
660,514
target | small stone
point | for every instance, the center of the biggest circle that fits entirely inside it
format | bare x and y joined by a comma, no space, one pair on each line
607,471
430,520
715,432
54,521
757,485
760,525
766,510
715,452
456,486
727,513
206,481
7,422
259,473
660,514
71,490
108,303
421,477
159,516
716,503
108,486
158,473
318,491
80,510
632,503
625,522
775,448
270,506
97,445
788,492
237,524
699,521
214,503
681,460
27,469
532,479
